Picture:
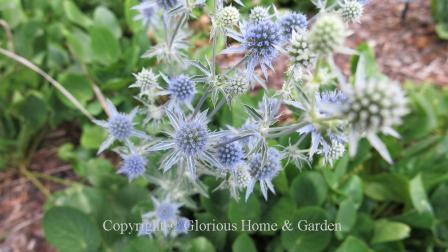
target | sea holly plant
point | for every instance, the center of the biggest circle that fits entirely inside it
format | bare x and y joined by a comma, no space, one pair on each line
330,109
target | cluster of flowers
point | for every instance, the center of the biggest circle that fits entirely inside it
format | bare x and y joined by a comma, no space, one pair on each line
331,111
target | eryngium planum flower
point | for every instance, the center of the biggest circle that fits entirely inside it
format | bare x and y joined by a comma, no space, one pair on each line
164,215
229,154
191,138
235,86
259,14
181,88
260,42
374,105
239,179
228,17
133,166
120,127
292,21
190,143
146,11
264,169
318,119
299,50
327,34
351,10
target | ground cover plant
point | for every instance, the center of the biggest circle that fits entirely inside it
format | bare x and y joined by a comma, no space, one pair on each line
203,141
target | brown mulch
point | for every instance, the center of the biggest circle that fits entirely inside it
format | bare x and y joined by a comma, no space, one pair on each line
21,202
405,51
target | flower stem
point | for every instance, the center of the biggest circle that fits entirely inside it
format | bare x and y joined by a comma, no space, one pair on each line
47,77
217,108
287,131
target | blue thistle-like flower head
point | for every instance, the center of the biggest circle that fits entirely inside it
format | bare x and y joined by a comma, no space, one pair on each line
182,225
260,41
258,14
182,88
191,138
146,11
164,215
270,168
264,172
133,166
120,126
190,143
293,21
229,154
322,129
166,211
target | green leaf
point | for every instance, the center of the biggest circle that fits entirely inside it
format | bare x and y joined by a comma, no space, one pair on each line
309,189
105,18
277,213
439,202
70,230
142,244
353,244
306,240
12,12
352,189
216,203
243,244
387,187
371,67
33,109
415,219
129,13
84,198
386,231
332,176
241,210
201,244
79,42
442,30
346,215
105,47
73,14
92,136
217,238
78,86
418,195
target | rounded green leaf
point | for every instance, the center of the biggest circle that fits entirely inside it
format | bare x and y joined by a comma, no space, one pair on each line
346,216
386,231
280,211
105,47
78,86
244,244
142,244
352,189
92,136
309,189
75,15
104,17
242,210
306,240
201,244
353,244
70,230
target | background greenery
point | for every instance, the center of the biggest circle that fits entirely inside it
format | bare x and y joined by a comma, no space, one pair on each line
84,44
